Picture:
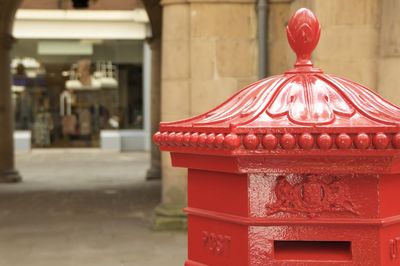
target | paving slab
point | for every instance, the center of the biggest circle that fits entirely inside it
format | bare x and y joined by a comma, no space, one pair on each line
84,207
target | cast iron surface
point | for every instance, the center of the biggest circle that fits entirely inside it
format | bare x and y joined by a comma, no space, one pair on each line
294,170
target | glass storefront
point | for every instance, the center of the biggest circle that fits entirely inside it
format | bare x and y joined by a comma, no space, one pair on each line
66,91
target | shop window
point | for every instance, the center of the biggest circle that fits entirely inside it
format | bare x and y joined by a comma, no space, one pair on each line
66,100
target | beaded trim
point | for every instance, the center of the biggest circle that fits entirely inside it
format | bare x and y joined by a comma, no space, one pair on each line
287,141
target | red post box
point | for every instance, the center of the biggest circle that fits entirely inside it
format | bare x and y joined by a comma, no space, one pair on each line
297,169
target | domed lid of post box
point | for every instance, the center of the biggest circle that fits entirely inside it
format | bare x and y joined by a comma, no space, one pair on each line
303,109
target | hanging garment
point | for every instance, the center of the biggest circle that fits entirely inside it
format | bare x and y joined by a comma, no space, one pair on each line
104,117
42,128
85,122
95,115
25,113
65,103
69,124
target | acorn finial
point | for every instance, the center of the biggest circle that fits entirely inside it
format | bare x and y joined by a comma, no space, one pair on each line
303,33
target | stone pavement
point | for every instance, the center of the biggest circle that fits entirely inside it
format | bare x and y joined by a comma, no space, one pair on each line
84,208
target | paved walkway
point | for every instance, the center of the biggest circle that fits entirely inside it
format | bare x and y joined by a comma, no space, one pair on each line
81,208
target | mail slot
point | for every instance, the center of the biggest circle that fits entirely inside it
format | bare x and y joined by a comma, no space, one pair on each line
313,250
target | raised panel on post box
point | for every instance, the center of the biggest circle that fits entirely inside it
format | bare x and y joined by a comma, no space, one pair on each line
297,169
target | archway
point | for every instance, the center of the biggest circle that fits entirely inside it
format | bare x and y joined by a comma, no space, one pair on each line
73,239
9,174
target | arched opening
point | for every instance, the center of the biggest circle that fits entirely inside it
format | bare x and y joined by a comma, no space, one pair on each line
84,206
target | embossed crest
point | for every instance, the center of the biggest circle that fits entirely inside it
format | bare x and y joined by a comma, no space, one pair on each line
312,196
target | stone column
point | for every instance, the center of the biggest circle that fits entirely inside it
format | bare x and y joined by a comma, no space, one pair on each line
174,105
223,50
279,53
209,51
389,60
154,12
155,162
8,174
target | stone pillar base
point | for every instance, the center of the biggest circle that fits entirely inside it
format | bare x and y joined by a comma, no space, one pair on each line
169,218
154,173
10,176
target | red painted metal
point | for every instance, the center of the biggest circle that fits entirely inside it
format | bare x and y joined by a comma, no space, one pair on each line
297,169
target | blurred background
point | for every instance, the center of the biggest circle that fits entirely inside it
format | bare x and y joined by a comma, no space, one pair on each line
84,84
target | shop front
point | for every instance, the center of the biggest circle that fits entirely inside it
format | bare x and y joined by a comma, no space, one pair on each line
80,92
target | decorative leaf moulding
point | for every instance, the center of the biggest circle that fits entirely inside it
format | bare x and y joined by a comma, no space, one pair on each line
301,109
